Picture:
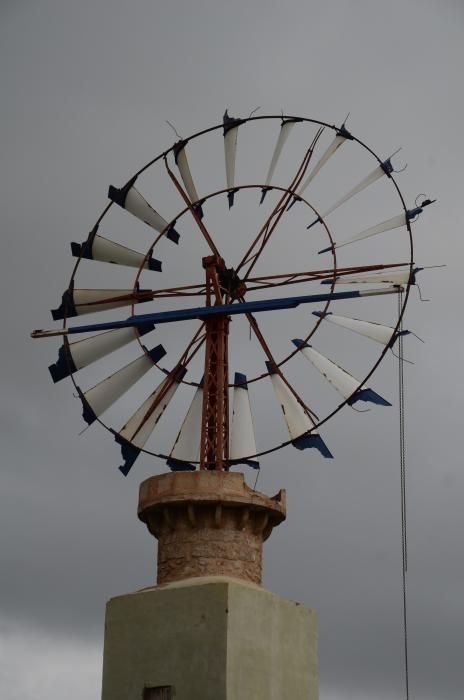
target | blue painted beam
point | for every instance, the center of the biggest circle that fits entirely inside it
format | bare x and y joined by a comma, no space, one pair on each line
205,312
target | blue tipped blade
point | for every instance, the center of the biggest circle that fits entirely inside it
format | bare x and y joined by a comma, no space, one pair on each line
154,264
129,454
326,250
368,395
118,195
157,353
176,465
264,192
231,197
240,380
316,221
294,201
173,236
298,343
199,210
87,411
309,440
63,367
66,308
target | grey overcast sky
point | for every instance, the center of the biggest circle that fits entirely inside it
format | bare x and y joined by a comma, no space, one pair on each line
86,88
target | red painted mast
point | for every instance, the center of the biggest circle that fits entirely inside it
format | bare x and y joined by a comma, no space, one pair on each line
214,444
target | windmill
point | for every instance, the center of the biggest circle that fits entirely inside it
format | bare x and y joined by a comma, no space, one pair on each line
268,251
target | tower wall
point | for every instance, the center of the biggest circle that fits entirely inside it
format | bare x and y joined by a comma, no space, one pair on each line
210,638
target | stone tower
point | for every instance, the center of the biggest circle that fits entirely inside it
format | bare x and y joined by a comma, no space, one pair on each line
208,630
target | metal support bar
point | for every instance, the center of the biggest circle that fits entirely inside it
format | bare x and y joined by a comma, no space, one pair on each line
214,442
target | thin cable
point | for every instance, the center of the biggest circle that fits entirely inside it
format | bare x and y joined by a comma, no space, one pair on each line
404,542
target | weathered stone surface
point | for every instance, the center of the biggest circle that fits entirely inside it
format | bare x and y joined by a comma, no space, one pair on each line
208,523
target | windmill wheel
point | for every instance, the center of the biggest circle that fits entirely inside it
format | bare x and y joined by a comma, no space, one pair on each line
267,252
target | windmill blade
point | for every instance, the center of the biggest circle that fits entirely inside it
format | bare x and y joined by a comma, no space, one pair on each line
395,277
388,225
76,302
385,168
180,157
230,129
186,448
74,356
102,249
104,394
340,138
285,129
242,435
135,433
385,335
129,198
299,424
344,382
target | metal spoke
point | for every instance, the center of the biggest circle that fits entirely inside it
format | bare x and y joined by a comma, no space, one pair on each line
192,210
251,256
256,330
186,357
267,281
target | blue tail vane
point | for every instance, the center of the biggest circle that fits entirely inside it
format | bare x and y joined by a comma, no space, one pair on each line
308,440
129,454
368,395
177,465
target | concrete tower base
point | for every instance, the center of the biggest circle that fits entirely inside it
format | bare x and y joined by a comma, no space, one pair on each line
209,638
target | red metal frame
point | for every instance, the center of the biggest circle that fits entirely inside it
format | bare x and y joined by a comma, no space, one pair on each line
214,441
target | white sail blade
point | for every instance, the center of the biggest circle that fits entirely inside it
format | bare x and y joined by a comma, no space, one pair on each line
102,249
74,356
135,433
284,133
395,277
230,150
373,176
77,302
332,148
104,394
348,386
186,449
385,335
299,424
388,225
129,198
182,163
242,434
